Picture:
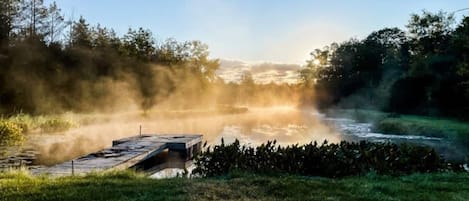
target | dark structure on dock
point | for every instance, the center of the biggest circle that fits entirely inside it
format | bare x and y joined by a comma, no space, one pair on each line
148,153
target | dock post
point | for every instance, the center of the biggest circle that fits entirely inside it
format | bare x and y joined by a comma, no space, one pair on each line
73,169
140,132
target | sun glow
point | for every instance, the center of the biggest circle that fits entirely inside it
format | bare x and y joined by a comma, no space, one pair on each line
316,62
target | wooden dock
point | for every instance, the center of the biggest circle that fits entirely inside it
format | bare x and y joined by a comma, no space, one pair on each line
129,153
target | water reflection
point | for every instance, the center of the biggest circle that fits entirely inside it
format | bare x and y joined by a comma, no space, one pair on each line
285,125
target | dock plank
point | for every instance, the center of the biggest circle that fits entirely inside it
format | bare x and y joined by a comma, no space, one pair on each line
123,154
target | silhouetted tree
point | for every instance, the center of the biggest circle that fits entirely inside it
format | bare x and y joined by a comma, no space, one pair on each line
81,34
54,23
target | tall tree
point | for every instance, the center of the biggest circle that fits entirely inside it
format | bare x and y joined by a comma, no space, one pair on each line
33,18
81,34
430,32
202,66
139,44
8,13
54,23
460,44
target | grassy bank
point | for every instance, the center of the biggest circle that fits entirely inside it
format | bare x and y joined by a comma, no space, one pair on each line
131,186
42,123
421,125
453,130
399,124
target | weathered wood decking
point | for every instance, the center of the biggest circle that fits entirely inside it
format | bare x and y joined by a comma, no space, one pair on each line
126,153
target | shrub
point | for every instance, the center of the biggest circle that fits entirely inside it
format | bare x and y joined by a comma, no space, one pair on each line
57,125
10,133
26,122
328,160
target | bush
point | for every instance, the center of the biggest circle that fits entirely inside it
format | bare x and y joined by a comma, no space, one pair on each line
26,122
328,160
57,125
10,133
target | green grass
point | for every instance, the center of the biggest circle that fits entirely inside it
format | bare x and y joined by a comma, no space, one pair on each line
132,186
109,186
455,131
421,125
359,115
398,124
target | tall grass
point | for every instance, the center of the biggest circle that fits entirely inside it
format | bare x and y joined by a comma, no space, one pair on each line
41,124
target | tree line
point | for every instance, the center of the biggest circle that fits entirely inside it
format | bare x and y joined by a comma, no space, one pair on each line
421,70
49,64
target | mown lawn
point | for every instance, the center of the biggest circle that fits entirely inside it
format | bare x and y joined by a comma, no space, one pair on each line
131,186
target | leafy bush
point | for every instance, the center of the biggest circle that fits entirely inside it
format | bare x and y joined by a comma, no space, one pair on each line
10,133
328,160
25,121
57,125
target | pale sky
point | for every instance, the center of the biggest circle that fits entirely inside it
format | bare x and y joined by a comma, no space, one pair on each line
276,31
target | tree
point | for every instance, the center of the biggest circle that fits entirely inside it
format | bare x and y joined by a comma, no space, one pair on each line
171,52
200,63
320,59
379,54
8,13
54,23
33,15
430,32
81,34
139,44
460,44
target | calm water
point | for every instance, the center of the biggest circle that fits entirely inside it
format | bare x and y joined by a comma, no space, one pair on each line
285,124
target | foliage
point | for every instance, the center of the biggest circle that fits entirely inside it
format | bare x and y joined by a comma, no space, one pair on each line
42,123
421,70
10,133
91,69
328,160
244,186
57,125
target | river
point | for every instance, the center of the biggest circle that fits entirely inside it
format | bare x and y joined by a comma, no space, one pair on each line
286,125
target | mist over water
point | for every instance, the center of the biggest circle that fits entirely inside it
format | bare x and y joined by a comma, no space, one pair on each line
287,125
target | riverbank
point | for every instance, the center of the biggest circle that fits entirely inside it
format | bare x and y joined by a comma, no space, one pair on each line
400,124
133,186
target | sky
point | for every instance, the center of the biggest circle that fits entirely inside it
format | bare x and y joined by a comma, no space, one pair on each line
254,31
